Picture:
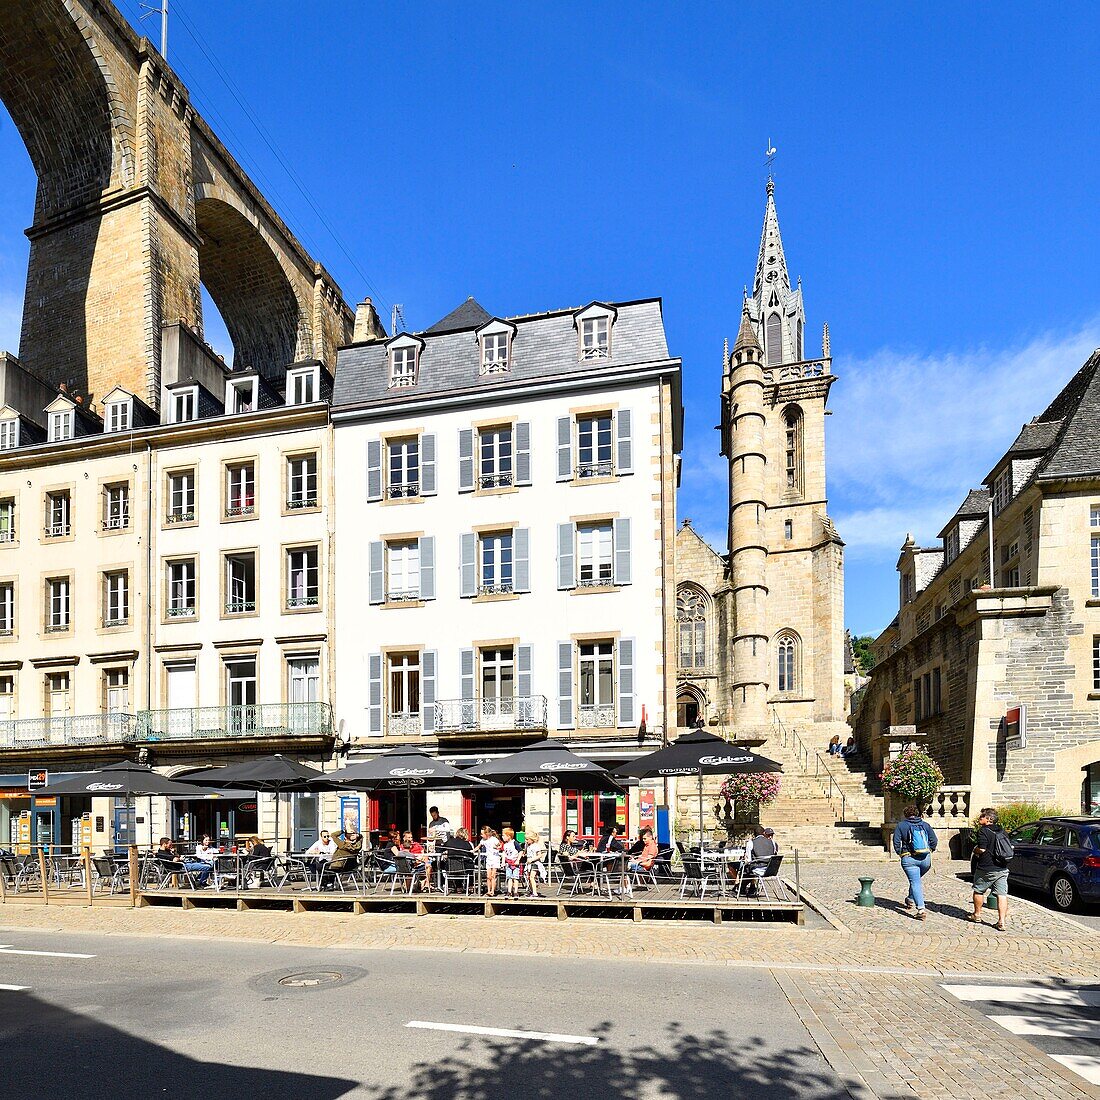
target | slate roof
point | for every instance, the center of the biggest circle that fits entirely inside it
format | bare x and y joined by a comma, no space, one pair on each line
471,314
1036,437
544,346
976,506
1077,449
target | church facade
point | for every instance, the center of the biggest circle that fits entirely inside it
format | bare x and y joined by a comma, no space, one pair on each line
760,627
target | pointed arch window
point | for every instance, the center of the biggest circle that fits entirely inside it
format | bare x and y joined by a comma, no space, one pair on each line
691,622
798,340
774,339
788,660
792,445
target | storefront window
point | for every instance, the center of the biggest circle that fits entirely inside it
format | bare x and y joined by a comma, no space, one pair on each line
589,813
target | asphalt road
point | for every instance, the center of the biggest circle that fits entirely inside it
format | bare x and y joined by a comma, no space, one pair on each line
179,1018
1086,913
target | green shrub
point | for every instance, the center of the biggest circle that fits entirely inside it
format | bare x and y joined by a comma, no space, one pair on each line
1014,814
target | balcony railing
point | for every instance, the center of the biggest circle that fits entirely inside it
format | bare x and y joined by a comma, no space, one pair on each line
503,588
181,611
117,523
180,517
407,595
303,601
234,510
7,534
403,489
597,717
495,481
595,469
518,712
69,729
406,723
797,372
240,607
301,502
596,582
58,530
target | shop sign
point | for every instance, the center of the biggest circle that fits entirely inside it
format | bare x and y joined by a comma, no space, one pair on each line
37,778
647,815
1016,727
247,807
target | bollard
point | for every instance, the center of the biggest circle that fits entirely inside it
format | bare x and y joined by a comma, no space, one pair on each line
990,902
42,872
134,872
866,896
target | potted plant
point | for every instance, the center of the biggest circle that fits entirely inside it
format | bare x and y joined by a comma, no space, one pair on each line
743,796
913,776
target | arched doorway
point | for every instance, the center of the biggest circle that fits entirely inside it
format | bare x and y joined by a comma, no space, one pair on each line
690,706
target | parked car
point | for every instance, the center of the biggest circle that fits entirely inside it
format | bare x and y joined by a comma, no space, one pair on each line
1061,857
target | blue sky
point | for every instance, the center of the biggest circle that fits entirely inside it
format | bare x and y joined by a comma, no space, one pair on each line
936,183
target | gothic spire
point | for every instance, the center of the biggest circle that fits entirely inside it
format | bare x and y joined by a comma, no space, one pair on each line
771,258
746,335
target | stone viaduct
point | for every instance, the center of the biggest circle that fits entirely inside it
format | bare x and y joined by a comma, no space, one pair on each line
138,204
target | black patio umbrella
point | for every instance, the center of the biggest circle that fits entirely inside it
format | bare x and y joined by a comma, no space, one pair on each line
547,764
272,774
697,753
404,768
124,780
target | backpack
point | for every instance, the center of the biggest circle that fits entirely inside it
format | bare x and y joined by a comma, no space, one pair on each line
918,848
1001,850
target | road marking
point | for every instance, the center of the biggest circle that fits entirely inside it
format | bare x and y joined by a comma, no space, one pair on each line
503,1032
14,988
1026,994
1083,1065
1052,1026
7,949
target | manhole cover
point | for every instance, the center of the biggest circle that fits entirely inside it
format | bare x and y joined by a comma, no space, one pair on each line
312,977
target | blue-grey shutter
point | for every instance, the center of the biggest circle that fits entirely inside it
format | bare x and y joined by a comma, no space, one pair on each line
523,671
625,463
523,453
466,680
374,693
565,685
427,689
621,539
468,564
565,448
566,572
426,547
466,460
374,469
626,682
521,566
377,574
427,465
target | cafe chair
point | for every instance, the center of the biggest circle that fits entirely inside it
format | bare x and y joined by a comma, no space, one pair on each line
694,877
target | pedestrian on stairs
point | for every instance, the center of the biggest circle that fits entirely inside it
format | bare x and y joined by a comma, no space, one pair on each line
915,841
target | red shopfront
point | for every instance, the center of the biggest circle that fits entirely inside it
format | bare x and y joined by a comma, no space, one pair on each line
590,812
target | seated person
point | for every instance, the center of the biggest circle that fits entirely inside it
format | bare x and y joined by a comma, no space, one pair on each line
414,850
206,851
608,841
571,849
168,855
255,848
344,859
834,745
459,844
644,860
760,848
320,852
850,747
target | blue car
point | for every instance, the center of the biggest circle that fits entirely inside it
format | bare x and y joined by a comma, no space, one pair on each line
1061,857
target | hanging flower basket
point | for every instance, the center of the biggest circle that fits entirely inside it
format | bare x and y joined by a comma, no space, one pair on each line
913,775
753,789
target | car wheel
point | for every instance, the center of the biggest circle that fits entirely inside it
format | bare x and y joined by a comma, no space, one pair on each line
1063,893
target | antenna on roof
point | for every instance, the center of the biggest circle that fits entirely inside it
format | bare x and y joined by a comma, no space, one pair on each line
397,317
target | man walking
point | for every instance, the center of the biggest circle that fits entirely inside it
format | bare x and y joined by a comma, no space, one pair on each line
990,868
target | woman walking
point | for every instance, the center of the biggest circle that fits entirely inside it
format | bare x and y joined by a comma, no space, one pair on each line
915,841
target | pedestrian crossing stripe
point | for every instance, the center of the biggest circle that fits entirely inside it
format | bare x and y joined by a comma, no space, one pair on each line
1049,1027
1026,994
1082,1064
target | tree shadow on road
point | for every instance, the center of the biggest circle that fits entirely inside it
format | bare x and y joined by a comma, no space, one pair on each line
715,1064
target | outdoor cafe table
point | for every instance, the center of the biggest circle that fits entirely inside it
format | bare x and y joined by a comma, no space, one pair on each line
720,862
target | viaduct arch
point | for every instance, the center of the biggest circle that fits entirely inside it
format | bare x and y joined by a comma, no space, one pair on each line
138,204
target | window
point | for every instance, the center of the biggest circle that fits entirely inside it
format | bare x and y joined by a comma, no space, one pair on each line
116,598
181,589
303,386
951,544
9,434
1096,662
594,555
495,448
798,339
303,680
906,588
58,514
788,529
404,694
1094,518
58,695
589,813
184,404
495,555
7,698
403,367
792,428
301,481
597,684
403,570
1002,489
240,497
118,417
594,446
116,507
404,468
303,577
928,695
240,396
786,648
494,353
774,339
498,675
116,690
58,608
7,609
181,497
7,520
596,338
240,583
691,618
241,694
61,426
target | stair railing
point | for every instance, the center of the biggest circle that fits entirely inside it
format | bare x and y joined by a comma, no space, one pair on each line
831,789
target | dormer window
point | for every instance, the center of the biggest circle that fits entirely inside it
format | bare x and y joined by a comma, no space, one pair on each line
61,425
494,353
594,324
184,405
9,434
1002,489
303,386
951,544
118,416
240,396
403,366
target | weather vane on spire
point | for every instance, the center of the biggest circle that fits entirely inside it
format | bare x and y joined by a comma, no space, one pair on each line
769,163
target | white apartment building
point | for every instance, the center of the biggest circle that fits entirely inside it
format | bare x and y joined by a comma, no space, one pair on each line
505,505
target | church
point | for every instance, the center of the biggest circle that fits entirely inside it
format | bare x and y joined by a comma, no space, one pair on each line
760,632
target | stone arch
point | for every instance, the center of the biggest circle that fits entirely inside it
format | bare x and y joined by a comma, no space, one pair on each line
691,703
881,724
695,626
241,269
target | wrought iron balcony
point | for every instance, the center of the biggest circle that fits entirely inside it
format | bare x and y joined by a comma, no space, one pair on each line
595,469
302,502
7,534
68,729
240,607
495,481
405,723
219,723
58,530
517,712
117,522
180,517
403,489
303,601
240,509
501,588
406,595
596,717
181,611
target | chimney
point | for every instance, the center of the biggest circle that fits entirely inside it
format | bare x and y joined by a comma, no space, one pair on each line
367,324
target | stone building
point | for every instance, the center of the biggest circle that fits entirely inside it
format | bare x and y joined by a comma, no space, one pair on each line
993,660
760,630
